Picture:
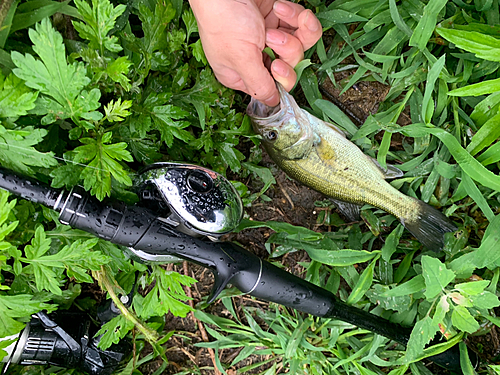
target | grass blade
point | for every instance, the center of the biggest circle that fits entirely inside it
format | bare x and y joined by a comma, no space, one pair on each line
466,161
427,23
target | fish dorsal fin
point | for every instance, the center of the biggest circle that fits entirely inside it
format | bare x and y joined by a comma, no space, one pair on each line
390,173
351,211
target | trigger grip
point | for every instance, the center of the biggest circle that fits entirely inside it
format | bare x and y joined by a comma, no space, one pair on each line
238,267
220,282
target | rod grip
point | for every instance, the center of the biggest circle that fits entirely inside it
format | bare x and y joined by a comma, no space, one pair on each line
29,189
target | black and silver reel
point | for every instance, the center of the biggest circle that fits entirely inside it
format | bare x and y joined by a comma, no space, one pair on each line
194,200
64,339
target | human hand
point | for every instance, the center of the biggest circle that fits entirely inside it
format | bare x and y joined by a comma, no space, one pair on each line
235,32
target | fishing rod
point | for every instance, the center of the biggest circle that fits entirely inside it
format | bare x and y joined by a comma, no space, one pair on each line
182,209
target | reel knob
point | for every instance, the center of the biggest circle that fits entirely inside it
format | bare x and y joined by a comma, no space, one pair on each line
200,182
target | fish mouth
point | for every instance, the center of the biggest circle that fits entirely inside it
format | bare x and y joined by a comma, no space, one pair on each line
263,115
261,111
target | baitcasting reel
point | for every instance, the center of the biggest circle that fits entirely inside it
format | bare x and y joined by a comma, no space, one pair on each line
194,200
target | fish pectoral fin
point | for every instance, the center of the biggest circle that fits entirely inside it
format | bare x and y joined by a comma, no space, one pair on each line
351,211
390,173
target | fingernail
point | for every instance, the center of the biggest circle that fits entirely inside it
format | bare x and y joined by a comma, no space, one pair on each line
275,37
280,68
283,9
311,22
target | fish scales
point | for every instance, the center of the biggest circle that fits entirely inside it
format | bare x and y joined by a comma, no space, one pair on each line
318,155
344,180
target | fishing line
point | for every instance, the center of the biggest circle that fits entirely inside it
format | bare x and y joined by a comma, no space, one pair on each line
7,146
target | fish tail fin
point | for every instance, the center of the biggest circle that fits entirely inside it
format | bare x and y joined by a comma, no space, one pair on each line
430,227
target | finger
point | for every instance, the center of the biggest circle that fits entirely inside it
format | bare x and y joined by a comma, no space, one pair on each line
229,78
286,46
257,80
309,30
284,74
288,12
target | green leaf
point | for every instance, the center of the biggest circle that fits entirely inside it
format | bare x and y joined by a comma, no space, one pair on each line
377,295
336,114
438,348
102,164
18,306
7,12
164,118
436,276
364,283
154,25
341,258
403,267
472,287
99,21
113,331
483,256
485,300
414,285
491,155
391,243
425,27
486,108
75,258
423,332
474,192
467,367
481,88
16,99
5,210
463,320
66,175
231,156
35,11
203,91
166,295
468,164
190,22
300,67
118,69
484,46
442,308
338,16
398,20
17,151
116,110
427,102
486,135
198,53
51,75
5,343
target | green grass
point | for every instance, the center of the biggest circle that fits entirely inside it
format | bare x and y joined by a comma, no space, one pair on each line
143,91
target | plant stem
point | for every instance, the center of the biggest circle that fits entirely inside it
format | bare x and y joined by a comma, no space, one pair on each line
106,284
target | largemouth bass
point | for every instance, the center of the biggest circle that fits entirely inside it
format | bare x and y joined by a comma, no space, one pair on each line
318,155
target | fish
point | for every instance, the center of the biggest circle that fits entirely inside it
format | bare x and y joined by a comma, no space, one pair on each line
319,155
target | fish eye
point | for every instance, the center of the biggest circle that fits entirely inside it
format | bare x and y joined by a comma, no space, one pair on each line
272,135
